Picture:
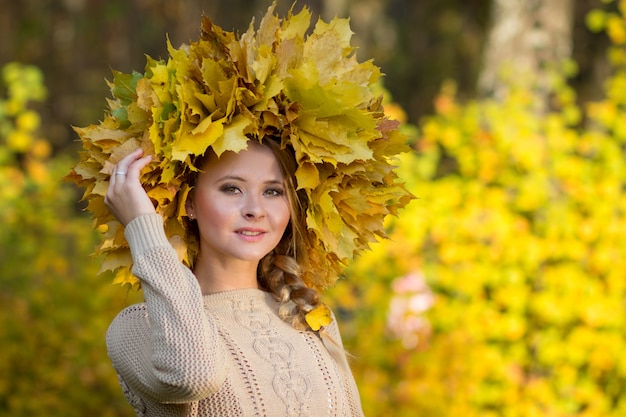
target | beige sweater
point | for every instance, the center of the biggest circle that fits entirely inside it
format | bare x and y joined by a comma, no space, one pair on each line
226,354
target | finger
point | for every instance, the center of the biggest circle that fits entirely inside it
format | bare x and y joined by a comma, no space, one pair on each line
126,161
114,176
133,155
134,170
120,171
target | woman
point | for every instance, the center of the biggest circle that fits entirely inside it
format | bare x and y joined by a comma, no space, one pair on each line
233,182
212,342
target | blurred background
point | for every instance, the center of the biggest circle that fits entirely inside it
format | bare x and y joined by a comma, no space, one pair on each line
502,288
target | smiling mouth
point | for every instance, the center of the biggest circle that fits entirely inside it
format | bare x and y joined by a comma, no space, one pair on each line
250,233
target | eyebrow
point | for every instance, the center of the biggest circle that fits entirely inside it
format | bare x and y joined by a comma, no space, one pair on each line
236,178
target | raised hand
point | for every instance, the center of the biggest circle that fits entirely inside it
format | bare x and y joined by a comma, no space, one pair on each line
126,197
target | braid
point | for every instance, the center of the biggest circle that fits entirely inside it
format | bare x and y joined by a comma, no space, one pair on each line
280,275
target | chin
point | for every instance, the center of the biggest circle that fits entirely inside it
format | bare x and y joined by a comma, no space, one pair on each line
252,257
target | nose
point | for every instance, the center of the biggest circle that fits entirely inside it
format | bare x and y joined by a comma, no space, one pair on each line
253,207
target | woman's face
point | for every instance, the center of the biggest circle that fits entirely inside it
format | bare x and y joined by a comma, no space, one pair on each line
240,204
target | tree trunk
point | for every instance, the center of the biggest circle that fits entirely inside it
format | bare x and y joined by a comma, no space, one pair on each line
526,37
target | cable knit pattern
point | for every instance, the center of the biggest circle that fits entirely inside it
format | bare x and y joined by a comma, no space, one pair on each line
290,384
225,354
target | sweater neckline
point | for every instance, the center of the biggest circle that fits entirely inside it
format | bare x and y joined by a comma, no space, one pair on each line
238,294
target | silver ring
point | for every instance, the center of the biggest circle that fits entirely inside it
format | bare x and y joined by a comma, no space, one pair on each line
120,173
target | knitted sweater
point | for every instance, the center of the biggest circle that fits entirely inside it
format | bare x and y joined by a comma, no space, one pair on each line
225,354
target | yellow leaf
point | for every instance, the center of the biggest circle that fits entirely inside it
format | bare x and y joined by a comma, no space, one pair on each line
345,246
332,218
264,63
124,276
98,133
234,138
118,153
318,317
272,88
307,176
116,259
297,25
162,193
146,98
182,200
195,144
100,188
100,211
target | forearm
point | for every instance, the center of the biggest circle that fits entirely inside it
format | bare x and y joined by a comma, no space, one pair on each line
182,360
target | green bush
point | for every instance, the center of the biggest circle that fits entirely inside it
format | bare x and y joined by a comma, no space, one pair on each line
55,310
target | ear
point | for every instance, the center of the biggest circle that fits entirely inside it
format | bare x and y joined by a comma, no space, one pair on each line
189,207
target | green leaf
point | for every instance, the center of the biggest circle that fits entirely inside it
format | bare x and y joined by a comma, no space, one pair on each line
124,86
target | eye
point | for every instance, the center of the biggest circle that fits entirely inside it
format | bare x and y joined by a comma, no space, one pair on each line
230,189
274,192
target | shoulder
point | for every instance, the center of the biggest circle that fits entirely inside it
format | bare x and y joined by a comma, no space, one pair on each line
130,323
333,327
132,312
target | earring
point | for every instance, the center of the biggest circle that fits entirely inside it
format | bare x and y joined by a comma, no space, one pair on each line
191,216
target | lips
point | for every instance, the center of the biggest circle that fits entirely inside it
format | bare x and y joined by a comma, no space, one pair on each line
251,234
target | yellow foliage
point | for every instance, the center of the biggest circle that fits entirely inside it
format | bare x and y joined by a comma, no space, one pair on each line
519,231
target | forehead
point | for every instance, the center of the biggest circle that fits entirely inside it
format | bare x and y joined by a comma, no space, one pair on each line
256,161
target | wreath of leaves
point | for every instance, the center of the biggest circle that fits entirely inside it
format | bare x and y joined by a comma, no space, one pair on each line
308,89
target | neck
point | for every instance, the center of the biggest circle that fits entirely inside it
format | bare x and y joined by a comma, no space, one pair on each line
217,277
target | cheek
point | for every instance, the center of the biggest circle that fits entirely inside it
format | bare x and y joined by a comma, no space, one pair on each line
282,214
209,211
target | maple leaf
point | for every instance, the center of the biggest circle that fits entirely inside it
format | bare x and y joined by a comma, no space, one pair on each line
123,86
319,317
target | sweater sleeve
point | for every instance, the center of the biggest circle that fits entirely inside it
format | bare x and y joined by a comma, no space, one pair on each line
167,348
